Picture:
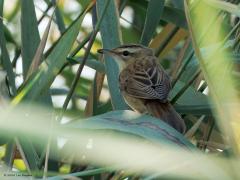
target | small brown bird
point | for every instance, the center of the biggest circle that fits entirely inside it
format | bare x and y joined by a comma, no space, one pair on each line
144,84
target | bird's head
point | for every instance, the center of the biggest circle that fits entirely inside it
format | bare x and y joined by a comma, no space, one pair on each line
127,54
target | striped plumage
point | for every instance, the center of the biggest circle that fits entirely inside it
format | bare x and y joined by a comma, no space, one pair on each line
145,79
144,84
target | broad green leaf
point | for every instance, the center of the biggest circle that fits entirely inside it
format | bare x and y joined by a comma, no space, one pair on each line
5,59
111,37
49,68
29,34
142,140
153,16
130,122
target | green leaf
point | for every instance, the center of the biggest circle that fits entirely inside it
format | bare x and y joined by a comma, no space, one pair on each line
130,122
8,36
9,155
32,47
110,33
191,102
217,70
191,97
153,16
39,52
59,18
175,16
48,70
29,34
29,151
5,59
178,4
194,109
82,173
225,6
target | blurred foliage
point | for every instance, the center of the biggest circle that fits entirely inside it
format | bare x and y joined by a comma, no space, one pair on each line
196,41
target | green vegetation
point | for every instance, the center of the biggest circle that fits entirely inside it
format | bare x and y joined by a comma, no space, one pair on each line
63,116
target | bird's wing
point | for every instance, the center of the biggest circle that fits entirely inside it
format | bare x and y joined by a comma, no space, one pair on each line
148,81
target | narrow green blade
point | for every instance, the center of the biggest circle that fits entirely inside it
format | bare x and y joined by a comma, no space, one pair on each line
29,34
153,16
5,59
111,37
49,69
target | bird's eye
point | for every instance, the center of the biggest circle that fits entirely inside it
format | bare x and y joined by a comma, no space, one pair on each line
125,53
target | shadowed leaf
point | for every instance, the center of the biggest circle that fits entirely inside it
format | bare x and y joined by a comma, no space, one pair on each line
29,33
153,16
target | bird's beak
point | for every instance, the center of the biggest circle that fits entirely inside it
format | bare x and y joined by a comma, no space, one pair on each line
104,51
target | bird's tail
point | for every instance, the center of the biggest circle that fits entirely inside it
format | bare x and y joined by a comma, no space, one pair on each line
167,113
